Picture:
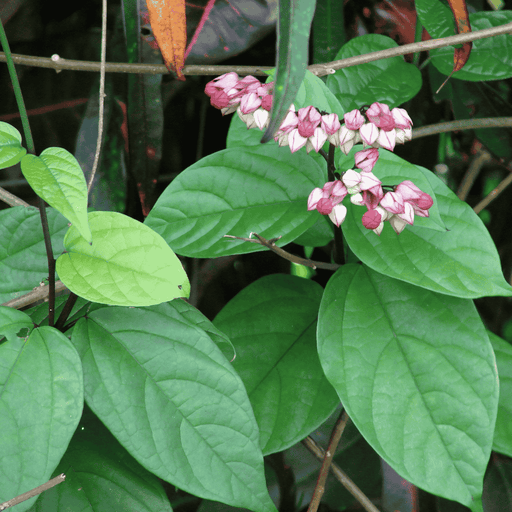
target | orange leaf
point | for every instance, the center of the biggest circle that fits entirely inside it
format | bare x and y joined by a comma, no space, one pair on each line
460,13
169,24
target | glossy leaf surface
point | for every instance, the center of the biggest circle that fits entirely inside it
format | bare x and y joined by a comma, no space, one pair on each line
235,192
128,263
392,81
56,176
41,401
170,397
462,261
416,373
272,324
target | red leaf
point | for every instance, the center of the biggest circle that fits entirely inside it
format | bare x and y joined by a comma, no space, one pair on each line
460,13
169,24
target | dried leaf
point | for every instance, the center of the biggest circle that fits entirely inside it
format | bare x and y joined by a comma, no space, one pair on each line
169,24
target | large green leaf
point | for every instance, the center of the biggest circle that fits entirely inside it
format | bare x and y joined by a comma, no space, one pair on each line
462,261
170,397
235,192
56,176
41,401
293,27
14,324
128,264
11,151
101,477
392,81
503,432
23,261
328,30
417,374
272,324
490,57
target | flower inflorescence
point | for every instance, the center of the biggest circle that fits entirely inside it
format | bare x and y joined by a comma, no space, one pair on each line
374,126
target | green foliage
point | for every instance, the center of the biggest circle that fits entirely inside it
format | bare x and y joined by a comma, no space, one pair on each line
424,393
171,395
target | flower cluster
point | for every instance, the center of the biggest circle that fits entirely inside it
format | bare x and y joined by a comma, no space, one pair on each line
375,127
397,206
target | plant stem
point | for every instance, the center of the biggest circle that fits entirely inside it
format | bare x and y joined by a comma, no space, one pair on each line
32,150
34,492
64,314
329,454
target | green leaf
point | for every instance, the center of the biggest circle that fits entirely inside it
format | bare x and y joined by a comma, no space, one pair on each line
170,397
128,264
272,324
14,324
56,176
490,57
319,234
235,192
462,261
293,27
392,81
41,401
23,261
101,476
416,372
328,30
503,432
11,151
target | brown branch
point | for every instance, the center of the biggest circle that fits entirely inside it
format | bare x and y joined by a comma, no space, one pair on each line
464,124
326,464
59,64
476,165
34,492
341,476
39,293
271,244
11,199
493,194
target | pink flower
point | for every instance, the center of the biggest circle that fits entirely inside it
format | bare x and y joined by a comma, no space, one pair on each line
371,219
353,120
296,140
219,99
393,202
380,116
327,201
419,200
309,119
331,125
402,119
351,179
317,140
249,103
266,102
372,196
387,140
369,133
366,159
347,139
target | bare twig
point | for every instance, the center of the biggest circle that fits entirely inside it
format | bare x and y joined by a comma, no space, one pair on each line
476,165
326,464
102,93
493,194
11,199
464,124
59,64
271,244
34,492
39,293
341,476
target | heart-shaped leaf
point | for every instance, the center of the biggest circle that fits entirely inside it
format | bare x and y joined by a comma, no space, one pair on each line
128,264
272,324
56,176
235,192
417,374
462,261
166,392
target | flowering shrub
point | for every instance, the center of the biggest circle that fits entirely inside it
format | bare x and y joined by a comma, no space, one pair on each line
375,126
